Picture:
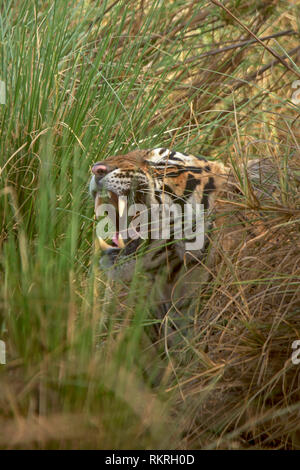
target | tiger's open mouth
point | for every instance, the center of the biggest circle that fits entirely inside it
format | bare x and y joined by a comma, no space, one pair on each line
115,245
119,204
162,219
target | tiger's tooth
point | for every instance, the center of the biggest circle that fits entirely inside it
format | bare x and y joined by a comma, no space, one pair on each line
121,205
97,204
98,211
102,243
121,241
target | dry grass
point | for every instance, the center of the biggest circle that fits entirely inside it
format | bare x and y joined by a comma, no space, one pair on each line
246,391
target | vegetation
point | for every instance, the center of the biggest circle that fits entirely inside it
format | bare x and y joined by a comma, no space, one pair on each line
88,79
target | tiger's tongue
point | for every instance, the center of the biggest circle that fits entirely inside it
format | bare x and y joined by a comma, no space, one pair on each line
115,238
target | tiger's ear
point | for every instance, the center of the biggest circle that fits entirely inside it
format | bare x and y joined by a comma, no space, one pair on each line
259,177
262,170
263,175
266,175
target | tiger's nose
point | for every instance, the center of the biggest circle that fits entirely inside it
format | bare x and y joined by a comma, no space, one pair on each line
100,169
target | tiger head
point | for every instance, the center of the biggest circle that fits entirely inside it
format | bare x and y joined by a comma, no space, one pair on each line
147,179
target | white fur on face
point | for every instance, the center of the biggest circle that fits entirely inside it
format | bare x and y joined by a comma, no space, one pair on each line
165,156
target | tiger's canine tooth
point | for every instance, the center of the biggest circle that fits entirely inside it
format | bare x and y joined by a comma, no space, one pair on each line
121,205
102,243
98,211
97,204
121,241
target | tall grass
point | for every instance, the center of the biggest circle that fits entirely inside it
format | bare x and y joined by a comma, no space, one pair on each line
85,80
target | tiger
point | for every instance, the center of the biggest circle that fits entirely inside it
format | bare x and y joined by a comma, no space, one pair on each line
164,177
